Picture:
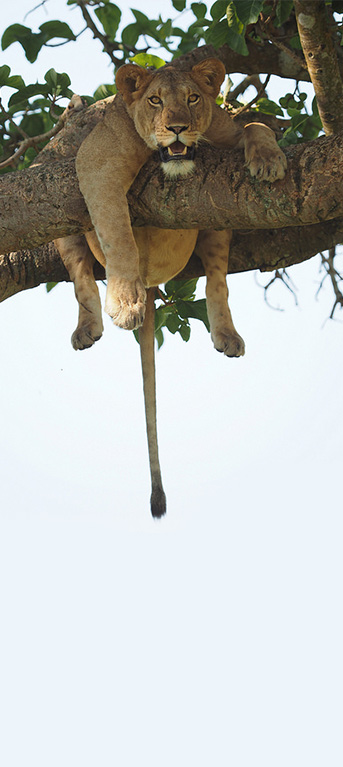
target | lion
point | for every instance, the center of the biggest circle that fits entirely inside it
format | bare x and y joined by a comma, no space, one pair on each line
168,112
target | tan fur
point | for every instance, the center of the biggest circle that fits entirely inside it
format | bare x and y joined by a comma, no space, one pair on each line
174,111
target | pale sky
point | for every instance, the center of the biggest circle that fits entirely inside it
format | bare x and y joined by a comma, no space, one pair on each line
211,637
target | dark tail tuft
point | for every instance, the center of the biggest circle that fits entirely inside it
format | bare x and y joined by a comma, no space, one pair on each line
158,502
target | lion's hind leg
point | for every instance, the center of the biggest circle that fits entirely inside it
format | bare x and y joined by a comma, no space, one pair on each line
213,249
79,262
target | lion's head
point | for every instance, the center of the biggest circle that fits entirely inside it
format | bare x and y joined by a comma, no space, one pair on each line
171,109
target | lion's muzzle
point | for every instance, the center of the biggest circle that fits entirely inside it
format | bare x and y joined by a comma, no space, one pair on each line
176,151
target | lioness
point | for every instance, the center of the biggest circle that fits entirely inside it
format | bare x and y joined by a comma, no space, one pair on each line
170,112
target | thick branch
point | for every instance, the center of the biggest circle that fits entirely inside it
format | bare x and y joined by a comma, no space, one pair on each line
264,249
41,203
263,57
320,54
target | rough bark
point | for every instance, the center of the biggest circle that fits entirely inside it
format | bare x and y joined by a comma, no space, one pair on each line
264,249
262,57
320,55
44,202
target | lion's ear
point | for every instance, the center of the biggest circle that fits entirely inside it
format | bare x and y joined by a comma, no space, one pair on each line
131,81
209,74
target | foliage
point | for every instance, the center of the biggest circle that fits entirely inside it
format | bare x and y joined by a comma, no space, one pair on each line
33,109
177,305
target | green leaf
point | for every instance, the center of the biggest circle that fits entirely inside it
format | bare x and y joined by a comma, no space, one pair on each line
248,11
50,286
172,323
31,43
217,34
185,332
159,338
109,16
236,42
130,35
148,60
51,78
15,81
4,73
56,28
33,124
288,102
104,91
236,32
199,10
141,18
195,309
179,5
268,107
58,82
218,9
233,20
289,137
283,11
295,43
26,93
14,34
180,288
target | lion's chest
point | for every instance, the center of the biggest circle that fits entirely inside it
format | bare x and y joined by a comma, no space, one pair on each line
163,252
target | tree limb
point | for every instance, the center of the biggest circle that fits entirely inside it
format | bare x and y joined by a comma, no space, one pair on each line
320,54
263,57
41,203
264,249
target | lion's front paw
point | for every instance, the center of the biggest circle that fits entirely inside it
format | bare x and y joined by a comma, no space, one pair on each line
125,302
86,334
267,165
229,342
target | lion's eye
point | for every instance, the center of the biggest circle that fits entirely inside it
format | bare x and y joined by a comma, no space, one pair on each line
155,100
193,98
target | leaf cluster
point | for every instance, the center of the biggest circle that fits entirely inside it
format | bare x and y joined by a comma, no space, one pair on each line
32,110
176,306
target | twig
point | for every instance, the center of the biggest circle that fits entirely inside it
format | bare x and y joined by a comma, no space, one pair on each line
108,46
284,277
74,104
278,44
9,118
335,278
256,97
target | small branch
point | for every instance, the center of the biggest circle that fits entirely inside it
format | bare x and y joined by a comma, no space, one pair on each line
74,104
11,121
335,279
285,279
108,46
267,35
256,97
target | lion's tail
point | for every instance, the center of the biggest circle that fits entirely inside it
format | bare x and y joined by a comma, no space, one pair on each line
147,348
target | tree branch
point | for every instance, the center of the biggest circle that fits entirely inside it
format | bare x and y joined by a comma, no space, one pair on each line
44,202
263,57
264,249
320,54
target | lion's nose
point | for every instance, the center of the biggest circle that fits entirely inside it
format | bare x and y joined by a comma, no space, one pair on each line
177,128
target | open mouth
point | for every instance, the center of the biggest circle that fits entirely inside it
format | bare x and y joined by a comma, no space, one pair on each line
176,151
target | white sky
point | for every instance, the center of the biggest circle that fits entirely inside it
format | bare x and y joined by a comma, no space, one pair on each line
214,636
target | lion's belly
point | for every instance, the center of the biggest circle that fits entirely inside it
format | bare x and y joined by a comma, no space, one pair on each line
163,252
